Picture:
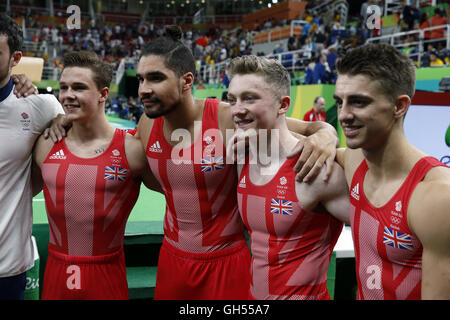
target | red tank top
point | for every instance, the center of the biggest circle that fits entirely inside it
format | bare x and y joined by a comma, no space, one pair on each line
199,187
88,200
291,247
388,255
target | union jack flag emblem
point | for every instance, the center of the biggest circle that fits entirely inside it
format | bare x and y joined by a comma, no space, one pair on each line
397,239
113,173
212,163
278,206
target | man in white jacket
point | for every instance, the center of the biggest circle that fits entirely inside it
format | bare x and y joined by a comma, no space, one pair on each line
21,122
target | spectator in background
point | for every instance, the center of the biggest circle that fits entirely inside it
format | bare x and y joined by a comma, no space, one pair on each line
291,43
363,10
319,39
424,23
409,48
309,73
442,52
322,72
435,61
331,59
135,110
309,48
436,20
425,62
410,14
317,113
225,80
200,84
279,48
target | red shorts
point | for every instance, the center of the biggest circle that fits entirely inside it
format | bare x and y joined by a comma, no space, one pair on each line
220,275
85,278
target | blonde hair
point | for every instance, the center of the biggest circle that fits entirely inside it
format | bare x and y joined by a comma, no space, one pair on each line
272,70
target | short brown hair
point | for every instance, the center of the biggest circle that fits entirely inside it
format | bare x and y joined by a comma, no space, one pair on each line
394,72
272,70
102,71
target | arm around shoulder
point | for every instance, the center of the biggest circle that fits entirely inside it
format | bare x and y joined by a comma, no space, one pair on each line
308,128
40,151
137,161
332,194
335,195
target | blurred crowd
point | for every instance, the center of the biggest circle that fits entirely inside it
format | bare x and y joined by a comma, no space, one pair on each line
320,43
130,108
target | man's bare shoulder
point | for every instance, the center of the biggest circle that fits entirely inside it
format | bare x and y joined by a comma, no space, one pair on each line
429,206
434,186
144,127
41,149
135,153
319,189
349,159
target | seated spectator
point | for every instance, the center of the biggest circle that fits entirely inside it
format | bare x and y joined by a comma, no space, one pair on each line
309,73
409,48
291,43
435,61
425,62
279,48
436,20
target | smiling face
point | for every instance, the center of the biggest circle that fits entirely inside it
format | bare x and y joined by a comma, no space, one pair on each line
365,114
159,87
253,102
78,93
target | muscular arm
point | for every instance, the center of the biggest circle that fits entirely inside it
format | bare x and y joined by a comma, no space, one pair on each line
332,194
138,163
429,219
335,196
318,148
40,151
308,128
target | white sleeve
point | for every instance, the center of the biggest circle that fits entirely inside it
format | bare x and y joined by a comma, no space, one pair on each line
44,107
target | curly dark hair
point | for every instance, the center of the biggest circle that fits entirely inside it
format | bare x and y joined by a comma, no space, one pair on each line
10,29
